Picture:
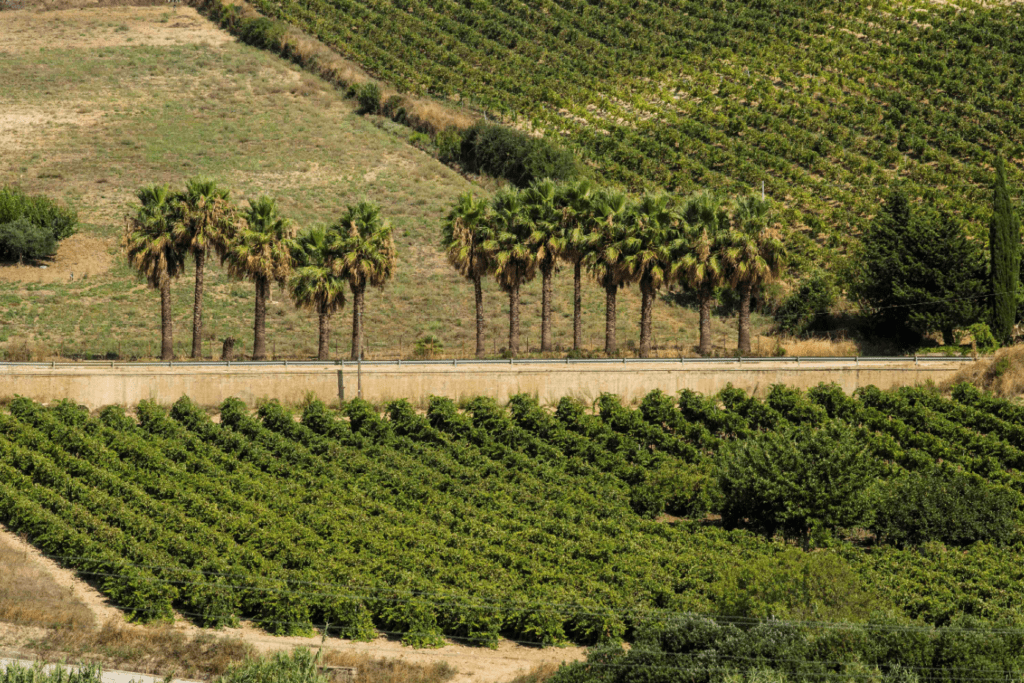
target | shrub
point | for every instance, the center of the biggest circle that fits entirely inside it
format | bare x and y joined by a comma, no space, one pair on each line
428,347
807,308
302,666
59,220
946,505
983,338
449,145
23,239
803,484
368,95
394,109
41,673
262,32
513,155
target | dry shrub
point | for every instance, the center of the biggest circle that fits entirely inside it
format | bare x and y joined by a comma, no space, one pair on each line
1003,375
538,674
30,597
816,346
374,670
158,649
23,352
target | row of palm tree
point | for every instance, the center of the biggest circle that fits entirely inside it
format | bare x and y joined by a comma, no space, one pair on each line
259,245
702,242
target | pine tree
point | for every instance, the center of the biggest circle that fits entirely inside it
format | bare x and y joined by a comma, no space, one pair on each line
920,273
1004,244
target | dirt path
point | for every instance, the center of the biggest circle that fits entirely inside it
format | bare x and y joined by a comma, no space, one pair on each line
474,664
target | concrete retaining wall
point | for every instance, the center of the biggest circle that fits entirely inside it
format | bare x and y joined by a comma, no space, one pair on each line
97,385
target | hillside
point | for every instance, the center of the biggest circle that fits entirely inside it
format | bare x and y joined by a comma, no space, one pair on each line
477,523
823,103
98,101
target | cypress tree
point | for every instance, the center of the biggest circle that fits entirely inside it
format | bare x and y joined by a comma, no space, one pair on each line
1004,244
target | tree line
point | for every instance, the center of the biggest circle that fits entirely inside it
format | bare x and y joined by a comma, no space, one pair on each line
702,242
257,244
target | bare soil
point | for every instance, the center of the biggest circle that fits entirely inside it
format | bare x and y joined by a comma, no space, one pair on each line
79,256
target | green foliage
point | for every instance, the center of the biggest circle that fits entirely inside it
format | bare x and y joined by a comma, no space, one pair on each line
984,340
23,239
807,309
301,666
43,673
514,155
919,272
1004,250
31,226
802,485
794,585
449,145
262,32
947,505
368,96
428,346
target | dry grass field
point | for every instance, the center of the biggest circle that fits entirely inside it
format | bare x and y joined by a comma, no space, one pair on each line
98,100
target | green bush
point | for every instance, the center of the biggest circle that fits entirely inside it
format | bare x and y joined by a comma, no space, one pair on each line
16,673
449,145
262,32
302,666
800,483
514,155
23,239
394,109
369,97
43,212
983,338
808,307
946,505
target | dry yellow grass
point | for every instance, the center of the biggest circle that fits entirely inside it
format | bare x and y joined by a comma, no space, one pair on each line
377,670
1003,374
30,597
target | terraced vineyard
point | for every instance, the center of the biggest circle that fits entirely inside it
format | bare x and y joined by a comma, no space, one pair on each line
823,103
487,521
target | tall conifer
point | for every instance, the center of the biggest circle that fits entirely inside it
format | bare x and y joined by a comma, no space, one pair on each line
1004,243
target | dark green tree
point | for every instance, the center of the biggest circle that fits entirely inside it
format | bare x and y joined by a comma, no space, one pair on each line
919,273
1004,250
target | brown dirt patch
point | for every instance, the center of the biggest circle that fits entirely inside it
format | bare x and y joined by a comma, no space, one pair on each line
83,255
101,26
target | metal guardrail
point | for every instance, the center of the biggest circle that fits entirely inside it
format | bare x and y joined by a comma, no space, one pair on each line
510,361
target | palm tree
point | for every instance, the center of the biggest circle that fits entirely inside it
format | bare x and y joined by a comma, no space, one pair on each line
646,257
755,256
151,249
513,261
366,256
462,236
548,242
314,284
699,255
574,201
259,252
204,219
606,253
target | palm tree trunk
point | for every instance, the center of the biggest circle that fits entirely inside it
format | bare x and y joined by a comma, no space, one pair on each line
646,308
513,320
197,308
705,324
259,326
577,306
545,307
166,320
609,320
323,350
746,291
478,293
357,320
